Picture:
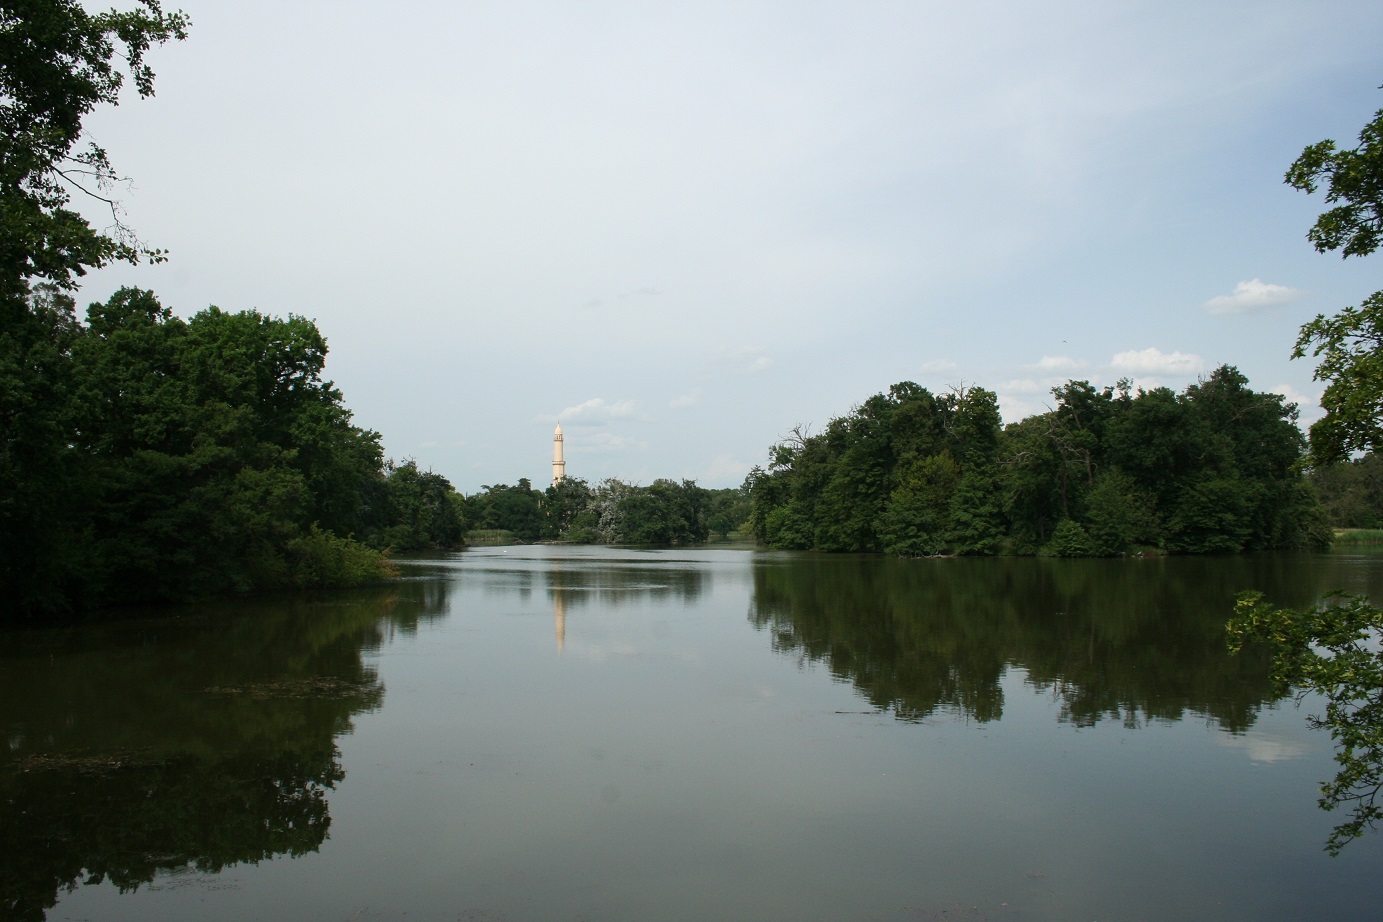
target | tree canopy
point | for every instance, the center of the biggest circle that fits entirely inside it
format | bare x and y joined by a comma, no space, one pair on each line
1353,186
58,62
200,457
1350,344
1103,473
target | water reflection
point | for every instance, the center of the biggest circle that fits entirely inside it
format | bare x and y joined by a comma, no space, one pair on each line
614,583
1127,640
574,583
205,740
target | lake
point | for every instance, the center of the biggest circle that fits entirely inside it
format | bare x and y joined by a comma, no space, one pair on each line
582,733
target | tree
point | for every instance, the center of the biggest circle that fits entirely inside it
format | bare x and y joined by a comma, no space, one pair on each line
1119,516
1352,492
917,520
1349,344
515,509
57,63
1331,648
1353,178
202,449
562,504
420,509
1350,348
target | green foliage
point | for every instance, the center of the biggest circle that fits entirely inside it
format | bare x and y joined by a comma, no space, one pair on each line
516,509
321,560
1351,491
917,520
1331,649
787,527
1350,348
416,509
195,454
58,62
976,514
885,477
728,510
614,512
562,505
1355,537
912,474
143,457
491,537
663,513
1353,178
1348,344
1118,516
37,553
1069,540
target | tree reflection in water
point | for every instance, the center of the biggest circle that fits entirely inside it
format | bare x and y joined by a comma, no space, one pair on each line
1333,650
203,741
1128,640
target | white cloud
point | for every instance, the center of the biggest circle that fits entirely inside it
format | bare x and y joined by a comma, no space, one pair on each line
1155,361
744,360
686,400
596,412
1253,295
937,367
1016,406
1026,386
1058,363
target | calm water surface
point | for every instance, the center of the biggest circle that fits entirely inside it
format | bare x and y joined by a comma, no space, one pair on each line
543,733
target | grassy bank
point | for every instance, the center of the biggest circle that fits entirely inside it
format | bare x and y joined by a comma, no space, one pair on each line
1350,537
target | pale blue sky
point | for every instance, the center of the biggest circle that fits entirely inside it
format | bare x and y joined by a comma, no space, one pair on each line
685,228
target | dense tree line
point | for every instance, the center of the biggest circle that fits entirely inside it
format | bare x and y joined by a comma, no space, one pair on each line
189,458
408,510
666,512
1352,491
1103,473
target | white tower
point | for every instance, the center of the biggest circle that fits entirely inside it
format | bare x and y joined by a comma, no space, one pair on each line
559,467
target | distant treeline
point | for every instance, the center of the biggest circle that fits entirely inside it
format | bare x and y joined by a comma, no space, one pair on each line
156,459
1106,472
1352,491
665,512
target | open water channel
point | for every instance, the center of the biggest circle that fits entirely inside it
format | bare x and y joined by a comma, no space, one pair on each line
558,733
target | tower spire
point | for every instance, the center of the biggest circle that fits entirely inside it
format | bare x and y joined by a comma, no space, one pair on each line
559,466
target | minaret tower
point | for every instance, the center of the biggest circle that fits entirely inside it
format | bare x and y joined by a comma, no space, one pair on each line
559,467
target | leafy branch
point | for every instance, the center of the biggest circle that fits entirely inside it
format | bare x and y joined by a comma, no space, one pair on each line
1332,649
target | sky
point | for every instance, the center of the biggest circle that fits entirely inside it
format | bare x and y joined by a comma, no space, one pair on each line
683,229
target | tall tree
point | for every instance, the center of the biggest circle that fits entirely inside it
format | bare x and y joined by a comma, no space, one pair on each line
58,62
